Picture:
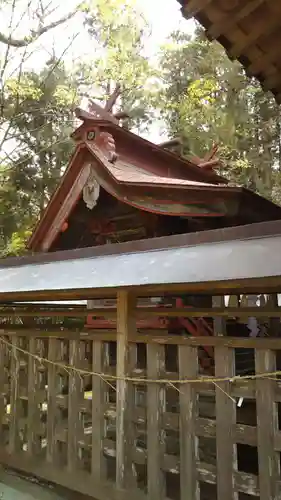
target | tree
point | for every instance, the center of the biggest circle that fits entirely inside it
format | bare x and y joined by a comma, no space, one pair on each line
37,112
119,31
41,12
39,128
206,98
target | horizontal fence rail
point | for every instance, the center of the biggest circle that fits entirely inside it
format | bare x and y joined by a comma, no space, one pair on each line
237,312
127,411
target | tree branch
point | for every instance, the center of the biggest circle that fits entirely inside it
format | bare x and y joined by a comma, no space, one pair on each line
34,35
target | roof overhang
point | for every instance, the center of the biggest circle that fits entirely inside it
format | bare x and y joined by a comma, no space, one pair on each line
191,263
249,30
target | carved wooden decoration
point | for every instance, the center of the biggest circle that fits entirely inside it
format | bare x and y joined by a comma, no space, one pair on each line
210,160
105,142
97,112
91,191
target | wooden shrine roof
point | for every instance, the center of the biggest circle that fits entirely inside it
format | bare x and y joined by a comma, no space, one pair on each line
145,176
129,173
194,262
250,31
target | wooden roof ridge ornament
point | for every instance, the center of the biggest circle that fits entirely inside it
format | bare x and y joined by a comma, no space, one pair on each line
97,112
207,163
210,161
103,140
174,145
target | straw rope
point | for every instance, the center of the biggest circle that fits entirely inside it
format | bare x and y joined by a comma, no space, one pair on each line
107,377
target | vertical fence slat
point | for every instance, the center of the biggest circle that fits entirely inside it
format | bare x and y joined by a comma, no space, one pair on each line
132,363
14,399
219,324
33,444
274,323
267,425
188,368
98,466
126,325
2,390
155,410
225,422
74,400
53,355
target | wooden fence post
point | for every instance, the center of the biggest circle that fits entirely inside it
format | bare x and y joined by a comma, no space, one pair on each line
155,432
98,466
219,323
274,323
2,391
15,403
225,423
188,368
126,326
267,426
75,395
33,442
53,356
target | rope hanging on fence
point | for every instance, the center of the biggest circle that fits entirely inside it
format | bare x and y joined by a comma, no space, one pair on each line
107,377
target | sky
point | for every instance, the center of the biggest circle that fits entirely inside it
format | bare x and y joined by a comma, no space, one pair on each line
163,17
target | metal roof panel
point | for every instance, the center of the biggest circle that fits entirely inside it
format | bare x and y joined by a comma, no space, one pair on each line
211,262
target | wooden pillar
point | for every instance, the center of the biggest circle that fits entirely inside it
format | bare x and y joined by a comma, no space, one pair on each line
126,326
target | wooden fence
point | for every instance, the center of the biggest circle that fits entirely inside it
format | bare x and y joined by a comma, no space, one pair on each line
109,414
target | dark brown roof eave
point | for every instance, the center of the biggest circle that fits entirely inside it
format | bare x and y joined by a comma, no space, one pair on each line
223,40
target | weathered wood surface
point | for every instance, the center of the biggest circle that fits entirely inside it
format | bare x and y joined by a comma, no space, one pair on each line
147,438
219,323
33,441
53,356
126,326
155,431
15,403
111,312
150,338
225,423
75,394
98,465
188,368
267,426
247,30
